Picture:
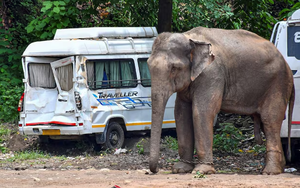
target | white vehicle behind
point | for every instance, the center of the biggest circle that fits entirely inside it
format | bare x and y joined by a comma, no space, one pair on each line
89,81
286,37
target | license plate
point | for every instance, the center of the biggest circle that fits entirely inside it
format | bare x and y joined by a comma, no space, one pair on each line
51,132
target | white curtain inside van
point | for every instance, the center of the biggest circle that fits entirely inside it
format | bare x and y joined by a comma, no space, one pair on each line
64,75
145,73
90,74
41,75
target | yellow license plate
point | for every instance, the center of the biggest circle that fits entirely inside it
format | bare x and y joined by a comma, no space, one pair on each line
51,132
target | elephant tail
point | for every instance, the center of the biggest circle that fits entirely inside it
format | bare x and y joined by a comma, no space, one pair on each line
290,113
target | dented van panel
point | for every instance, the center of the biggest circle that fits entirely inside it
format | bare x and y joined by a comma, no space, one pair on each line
45,103
90,86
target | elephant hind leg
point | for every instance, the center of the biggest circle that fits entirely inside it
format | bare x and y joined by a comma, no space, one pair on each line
257,127
272,116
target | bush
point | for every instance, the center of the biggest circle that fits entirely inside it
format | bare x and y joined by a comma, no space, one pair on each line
4,133
9,101
227,138
171,143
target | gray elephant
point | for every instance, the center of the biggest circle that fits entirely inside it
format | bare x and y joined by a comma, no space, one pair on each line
214,70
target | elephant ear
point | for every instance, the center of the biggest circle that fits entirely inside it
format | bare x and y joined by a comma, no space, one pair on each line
200,57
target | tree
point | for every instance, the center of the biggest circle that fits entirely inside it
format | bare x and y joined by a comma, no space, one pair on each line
164,16
13,40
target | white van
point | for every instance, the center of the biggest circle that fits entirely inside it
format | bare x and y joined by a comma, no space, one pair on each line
286,37
89,81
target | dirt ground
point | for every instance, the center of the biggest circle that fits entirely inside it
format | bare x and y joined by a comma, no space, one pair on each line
95,170
106,178
78,165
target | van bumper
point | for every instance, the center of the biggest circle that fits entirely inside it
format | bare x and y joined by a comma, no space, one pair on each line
52,130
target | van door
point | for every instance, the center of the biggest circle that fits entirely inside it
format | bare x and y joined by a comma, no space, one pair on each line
64,74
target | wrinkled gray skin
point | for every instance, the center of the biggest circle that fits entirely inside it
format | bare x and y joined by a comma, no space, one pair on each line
239,72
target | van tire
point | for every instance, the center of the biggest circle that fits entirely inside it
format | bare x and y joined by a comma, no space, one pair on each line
114,136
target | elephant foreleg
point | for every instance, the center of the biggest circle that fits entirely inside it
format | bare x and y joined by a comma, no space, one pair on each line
204,112
185,136
203,144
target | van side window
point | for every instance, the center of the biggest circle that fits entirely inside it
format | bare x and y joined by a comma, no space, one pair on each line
111,73
144,71
41,75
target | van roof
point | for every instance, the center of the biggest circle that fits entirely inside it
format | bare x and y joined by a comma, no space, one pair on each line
109,41
105,32
294,18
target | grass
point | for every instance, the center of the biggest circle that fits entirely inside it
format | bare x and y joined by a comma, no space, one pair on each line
166,172
4,133
228,171
199,175
28,155
61,157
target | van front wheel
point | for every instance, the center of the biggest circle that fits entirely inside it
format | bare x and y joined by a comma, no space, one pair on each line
114,136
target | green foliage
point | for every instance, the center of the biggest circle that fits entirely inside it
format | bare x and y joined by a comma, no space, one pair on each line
140,146
55,15
28,155
235,14
254,16
9,101
10,75
287,12
199,175
4,132
227,138
171,143
205,13
259,148
143,13
13,41
112,15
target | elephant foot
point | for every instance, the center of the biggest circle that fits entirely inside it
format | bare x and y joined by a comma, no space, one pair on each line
274,163
182,167
204,169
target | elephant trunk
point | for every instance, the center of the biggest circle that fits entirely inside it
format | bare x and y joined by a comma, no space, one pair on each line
159,101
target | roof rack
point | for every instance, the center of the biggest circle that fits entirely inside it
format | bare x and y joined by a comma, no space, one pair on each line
105,32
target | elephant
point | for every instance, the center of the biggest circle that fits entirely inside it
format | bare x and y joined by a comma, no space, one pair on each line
213,70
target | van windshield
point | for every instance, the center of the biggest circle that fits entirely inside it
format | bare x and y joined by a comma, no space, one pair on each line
41,75
111,73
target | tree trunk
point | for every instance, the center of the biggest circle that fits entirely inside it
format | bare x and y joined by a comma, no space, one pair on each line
4,16
165,16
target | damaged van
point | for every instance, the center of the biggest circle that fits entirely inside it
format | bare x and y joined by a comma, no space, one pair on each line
89,81
286,37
